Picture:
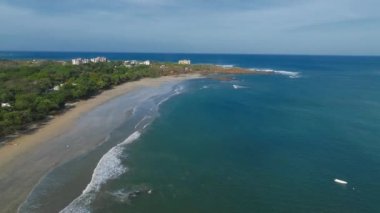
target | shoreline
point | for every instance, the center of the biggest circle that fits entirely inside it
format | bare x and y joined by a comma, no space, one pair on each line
23,160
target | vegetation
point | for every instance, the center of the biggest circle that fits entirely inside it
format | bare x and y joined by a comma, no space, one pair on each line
37,89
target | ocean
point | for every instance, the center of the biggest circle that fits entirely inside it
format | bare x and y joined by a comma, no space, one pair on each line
254,143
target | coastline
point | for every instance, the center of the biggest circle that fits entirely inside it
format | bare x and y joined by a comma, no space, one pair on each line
26,159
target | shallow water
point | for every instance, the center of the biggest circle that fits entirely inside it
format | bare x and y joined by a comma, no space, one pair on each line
115,120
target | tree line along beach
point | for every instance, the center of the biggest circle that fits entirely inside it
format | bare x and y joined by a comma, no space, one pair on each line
34,90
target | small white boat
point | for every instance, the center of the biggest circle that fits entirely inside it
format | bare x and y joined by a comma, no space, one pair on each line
340,181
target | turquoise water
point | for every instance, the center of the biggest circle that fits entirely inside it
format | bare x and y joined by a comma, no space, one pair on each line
256,143
275,146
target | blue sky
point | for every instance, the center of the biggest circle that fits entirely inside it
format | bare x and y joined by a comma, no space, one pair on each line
344,27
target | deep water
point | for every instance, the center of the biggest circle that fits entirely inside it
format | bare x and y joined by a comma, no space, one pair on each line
258,143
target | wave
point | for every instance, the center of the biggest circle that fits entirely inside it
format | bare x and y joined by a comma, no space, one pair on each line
235,86
142,120
290,74
109,167
178,90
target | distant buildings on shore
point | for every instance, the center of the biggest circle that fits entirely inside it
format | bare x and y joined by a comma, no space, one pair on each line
78,61
135,62
129,63
98,59
184,62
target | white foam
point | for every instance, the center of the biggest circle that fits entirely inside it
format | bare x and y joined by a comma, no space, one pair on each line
226,66
238,86
142,120
177,91
109,167
290,74
121,195
261,70
124,195
146,125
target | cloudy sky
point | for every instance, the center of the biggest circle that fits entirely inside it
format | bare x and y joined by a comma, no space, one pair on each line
348,27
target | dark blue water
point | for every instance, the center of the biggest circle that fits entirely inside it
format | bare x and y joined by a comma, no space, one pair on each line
295,62
274,144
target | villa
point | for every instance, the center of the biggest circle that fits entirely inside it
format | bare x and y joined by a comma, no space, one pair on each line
147,63
184,62
76,61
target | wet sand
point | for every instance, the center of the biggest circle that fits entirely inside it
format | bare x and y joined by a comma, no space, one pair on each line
28,158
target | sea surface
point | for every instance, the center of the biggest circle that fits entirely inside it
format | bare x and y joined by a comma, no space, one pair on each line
253,143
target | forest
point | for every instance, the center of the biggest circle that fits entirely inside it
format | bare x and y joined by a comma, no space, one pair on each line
30,91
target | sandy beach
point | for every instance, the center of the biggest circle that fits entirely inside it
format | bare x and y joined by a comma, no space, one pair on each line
29,157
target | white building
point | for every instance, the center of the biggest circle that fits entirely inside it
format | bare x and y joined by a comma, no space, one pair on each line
147,63
135,62
99,59
4,105
76,61
185,61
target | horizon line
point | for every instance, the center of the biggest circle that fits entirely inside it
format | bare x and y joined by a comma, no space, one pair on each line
194,53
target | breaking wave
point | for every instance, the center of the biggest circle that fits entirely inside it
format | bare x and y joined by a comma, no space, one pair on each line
142,122
290,74
178,90
235,86
109,167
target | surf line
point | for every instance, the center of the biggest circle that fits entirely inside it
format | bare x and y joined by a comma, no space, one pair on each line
109,167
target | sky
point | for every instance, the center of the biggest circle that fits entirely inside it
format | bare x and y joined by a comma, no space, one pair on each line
331,27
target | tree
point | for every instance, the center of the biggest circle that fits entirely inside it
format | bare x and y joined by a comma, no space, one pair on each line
45,105
25,101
